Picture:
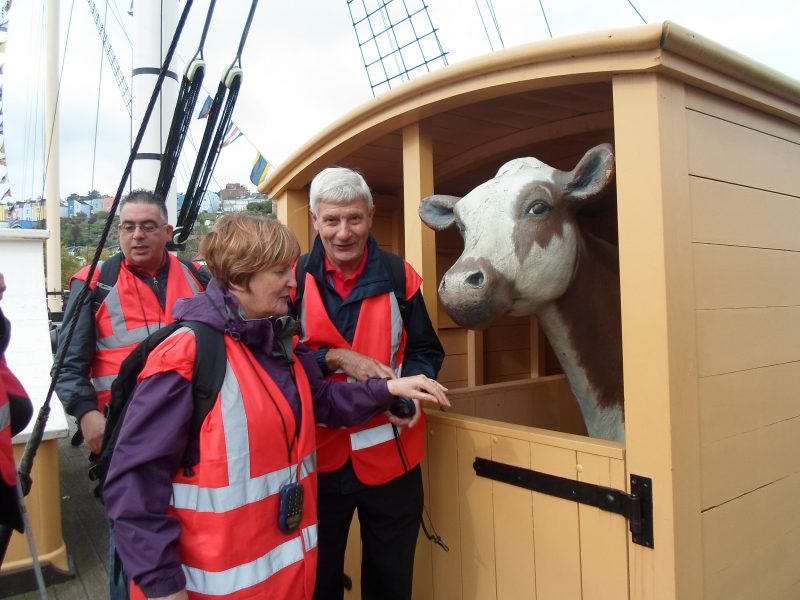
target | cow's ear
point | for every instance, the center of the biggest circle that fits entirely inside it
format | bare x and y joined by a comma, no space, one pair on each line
437,211
592,174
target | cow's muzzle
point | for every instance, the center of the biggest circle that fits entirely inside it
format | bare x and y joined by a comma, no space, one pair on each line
474,293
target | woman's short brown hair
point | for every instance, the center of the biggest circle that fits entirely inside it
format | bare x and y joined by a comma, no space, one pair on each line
239,245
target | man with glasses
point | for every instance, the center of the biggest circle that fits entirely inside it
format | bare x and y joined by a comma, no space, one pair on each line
118,315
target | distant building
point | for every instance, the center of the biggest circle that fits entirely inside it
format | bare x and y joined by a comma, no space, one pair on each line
77,206
233,191
235,204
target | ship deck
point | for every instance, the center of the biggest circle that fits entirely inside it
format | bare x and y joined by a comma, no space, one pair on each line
85,534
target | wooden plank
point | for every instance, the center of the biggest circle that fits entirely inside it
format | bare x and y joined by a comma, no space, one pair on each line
752,544
352,559
723,213
513,525
556,530
509,336
658,328
477,529
734,403
422,588
420,241
444,492
742,463
726,151
735,340
505,363
735,277
454,341
603,535
730,111
453,369
475,358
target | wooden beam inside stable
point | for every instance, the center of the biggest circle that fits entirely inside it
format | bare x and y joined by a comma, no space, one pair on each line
420,241
292,210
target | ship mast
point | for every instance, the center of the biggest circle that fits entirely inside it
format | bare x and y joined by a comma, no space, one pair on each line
154,25
52,172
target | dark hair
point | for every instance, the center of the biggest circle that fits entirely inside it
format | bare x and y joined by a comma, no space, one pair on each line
146,197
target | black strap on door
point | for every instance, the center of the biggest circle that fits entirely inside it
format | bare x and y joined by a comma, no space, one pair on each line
637,506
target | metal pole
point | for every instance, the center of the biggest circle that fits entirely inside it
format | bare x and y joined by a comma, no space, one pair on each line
52,174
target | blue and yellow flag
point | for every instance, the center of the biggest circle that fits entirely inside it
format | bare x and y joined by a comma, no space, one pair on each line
261,168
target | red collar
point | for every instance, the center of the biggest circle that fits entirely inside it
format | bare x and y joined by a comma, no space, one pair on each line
344,285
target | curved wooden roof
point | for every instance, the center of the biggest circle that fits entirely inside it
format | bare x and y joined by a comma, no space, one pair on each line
497,106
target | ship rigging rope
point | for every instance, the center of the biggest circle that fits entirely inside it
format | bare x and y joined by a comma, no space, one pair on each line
219,119
26,462
191,85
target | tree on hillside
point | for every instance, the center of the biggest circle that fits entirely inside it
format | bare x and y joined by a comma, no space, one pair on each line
260,207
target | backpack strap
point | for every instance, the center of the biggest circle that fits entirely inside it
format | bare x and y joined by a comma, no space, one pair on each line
300,276
209,373
396,268
109,272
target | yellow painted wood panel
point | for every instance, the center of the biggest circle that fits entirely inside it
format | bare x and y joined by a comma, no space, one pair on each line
742,463
604,535
736,339
513,525
444,493
736,277
352,559
752,544
504,363
723,213
477,529
422,588
454,341
729,152
511,336
556,529
730,111
735,403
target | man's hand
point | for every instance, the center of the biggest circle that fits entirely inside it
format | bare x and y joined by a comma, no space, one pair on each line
417,387
358,366
93,424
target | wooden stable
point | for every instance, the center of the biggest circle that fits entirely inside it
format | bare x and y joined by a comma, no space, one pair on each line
705,214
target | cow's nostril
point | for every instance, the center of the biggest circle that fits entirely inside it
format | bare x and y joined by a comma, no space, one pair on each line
475,279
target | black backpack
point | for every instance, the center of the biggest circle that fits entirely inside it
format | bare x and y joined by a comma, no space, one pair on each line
209,372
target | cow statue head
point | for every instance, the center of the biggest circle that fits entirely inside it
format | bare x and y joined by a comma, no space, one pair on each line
521,239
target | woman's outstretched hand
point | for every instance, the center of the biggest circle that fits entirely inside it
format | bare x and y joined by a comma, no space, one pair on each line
416,387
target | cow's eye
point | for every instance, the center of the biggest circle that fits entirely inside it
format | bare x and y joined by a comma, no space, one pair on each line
537,208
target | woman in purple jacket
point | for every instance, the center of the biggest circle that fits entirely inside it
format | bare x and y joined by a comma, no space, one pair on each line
243,522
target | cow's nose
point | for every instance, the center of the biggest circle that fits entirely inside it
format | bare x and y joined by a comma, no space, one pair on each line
475,279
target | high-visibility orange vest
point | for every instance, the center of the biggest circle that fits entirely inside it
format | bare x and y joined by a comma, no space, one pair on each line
372,448
230,544
129,313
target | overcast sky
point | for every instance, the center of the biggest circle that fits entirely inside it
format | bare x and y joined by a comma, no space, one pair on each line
302,69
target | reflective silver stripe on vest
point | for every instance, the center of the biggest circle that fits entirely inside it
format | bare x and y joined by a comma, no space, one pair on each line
372,436
310,537
397,330
187,273
241,489
102,384
222,583
5,416
122,336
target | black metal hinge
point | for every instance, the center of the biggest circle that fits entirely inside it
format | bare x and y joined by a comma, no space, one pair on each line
637,506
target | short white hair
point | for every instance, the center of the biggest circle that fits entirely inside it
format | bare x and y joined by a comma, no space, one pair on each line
338,185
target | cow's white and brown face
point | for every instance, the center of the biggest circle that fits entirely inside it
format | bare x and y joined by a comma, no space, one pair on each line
520,236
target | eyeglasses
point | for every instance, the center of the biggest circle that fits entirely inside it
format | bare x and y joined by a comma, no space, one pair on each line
147,227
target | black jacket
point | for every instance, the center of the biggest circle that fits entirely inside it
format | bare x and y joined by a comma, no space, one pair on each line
424,353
